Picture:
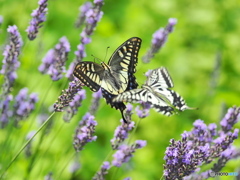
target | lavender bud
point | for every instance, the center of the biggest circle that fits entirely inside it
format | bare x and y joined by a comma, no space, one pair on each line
159,39
95,101
6,112
24,104
10,60
103,171
121,133
38,17
231,118
74,105
85,132
143,110
125,152
55,59
67,95
82,16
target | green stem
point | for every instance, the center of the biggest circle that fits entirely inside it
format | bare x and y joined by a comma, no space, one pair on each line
25,145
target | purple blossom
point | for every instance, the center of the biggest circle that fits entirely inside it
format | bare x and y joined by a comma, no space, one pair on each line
74,105
125,152
24,104
143,110
38,17
103,171
6,112
121,133
159,39
231,118
10,61
95,101
201,146
85,132
82,16
55,59
92,16
67,95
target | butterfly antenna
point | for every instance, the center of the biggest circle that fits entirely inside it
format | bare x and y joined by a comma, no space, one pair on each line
106,53
96,58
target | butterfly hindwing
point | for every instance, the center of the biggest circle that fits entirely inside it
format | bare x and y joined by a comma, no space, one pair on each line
156,92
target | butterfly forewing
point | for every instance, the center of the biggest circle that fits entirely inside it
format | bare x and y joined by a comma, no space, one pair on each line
90,74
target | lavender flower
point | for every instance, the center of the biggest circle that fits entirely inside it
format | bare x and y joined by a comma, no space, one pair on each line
55,59
85,132
231,118
143,110
24,104
125,152
93,16
74,104
67,95
103,171
159,39
5,110
201,145
10,61
95,101
121,133
38,17
82,16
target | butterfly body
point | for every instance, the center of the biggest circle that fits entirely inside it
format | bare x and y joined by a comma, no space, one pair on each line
115,77
156,92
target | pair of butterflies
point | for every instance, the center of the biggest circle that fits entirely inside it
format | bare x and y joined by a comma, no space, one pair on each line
118,83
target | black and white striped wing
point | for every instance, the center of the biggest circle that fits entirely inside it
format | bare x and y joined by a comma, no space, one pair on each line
159,78
145,95
172,98
90,74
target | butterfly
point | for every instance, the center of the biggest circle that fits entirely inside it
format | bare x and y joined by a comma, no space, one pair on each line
115,77
156,93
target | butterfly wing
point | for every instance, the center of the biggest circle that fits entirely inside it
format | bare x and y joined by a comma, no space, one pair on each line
123,64
90,74
160,78
145,95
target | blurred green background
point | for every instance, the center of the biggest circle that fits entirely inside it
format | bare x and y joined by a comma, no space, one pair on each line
206,30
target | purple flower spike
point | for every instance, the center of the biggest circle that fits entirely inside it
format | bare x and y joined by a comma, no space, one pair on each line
24,104
159,39
67,95
6,112
85,133
95,101
10,60
125,152
38,17
202,145
82,16
231,118
74,105
143,110
103,171
55,59
91,15
121,133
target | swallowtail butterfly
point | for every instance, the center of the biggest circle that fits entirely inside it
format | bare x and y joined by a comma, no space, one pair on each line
116,76
156,93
